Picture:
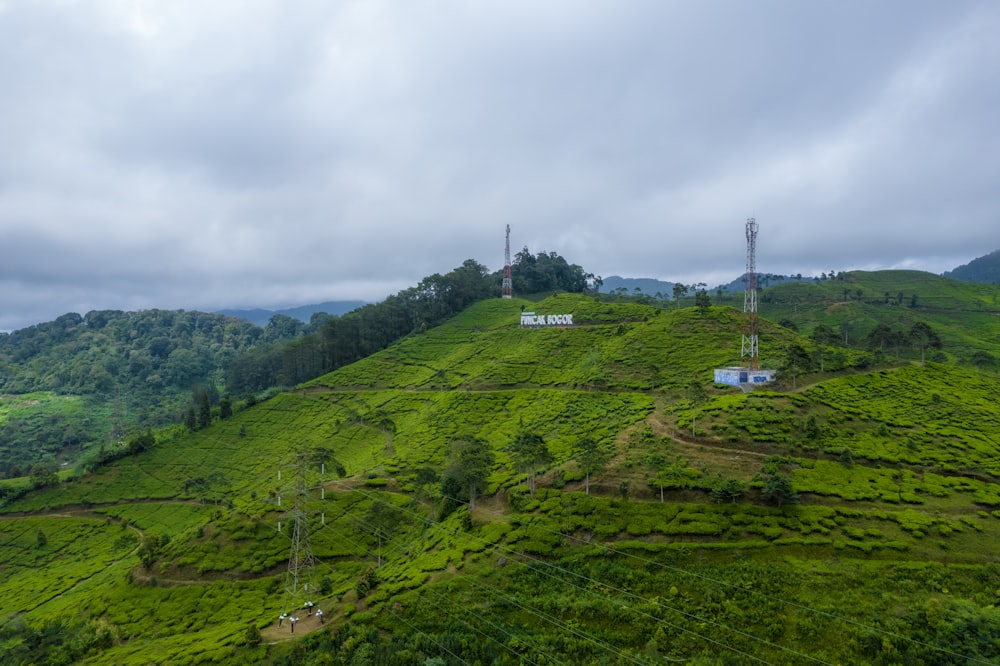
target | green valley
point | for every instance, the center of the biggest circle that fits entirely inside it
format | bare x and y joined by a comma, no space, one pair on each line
477,492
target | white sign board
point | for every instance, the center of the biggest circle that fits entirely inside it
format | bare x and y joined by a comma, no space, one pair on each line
530,319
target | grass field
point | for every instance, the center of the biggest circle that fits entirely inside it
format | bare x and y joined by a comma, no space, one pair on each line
176,555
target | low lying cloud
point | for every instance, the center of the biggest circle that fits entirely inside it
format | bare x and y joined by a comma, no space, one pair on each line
261,154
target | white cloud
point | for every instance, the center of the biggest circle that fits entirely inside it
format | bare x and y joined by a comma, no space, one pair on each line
192,155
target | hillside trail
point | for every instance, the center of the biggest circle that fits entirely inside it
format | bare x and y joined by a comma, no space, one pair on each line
307,624
682,436
320,390
91,510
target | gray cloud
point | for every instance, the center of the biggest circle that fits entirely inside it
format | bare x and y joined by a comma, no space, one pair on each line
267,154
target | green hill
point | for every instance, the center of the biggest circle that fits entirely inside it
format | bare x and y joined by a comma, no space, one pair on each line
965,315
985,269
64,384
626,510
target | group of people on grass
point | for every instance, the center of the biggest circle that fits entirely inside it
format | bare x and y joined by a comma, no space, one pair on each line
292,619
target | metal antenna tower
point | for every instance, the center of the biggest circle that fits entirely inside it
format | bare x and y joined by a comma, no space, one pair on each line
300,579
749,346
507,290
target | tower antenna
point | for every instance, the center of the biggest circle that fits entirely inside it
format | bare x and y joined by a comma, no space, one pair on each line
507,289
749,374
749,345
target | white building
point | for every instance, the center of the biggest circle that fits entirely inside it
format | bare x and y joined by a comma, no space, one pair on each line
736,376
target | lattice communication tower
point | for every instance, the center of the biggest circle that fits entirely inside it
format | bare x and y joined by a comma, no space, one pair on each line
507,289
749,346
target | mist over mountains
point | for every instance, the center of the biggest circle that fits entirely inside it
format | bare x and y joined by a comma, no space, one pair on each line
303,313
985,270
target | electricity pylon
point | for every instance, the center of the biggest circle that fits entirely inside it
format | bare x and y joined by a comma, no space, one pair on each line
300,578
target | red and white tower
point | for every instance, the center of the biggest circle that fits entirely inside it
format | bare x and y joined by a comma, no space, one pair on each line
507,288
749,346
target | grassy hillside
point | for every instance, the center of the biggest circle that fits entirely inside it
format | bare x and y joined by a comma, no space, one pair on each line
64,382
966,316
613,346
985,269
880,550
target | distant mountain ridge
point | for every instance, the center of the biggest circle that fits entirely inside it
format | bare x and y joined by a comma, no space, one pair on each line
652,286
985,269
303,313
648,286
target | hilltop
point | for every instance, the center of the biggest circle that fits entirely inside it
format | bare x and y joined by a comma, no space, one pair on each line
569,494
985,269
82,389
66,385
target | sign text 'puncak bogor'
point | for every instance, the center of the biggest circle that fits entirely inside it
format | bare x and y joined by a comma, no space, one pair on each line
532,320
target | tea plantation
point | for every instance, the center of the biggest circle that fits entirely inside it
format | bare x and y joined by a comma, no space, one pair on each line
482,493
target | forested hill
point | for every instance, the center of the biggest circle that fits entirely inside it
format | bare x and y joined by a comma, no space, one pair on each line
66,385
985,269
132,352
339,341
65,382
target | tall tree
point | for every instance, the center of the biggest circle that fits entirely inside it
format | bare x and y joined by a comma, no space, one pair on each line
730,490
547,271
204,410
880,336
797,361
473,461
825,335
339,341
530,452
680,291
696,397
189,419
702,301
922,336
591,457
382,518
225,407
324,458
778,490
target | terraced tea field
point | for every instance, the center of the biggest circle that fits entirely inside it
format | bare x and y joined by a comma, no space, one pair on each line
888,556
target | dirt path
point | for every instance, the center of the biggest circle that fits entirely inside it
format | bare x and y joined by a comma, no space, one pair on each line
306,625
91,510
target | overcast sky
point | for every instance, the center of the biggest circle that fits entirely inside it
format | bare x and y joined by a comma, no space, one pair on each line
199,155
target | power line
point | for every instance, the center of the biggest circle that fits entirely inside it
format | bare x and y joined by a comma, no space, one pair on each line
731,586
763,594
723,583
496,593
647,561
629,608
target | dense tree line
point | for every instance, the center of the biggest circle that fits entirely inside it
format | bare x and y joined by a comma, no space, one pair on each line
129,351
547,271
338,341
985,269
136,367
143,365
